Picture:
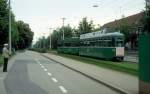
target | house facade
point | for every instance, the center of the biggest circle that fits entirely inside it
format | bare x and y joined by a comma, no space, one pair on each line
131,26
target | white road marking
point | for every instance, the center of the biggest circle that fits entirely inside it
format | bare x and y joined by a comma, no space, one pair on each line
54,79
42,66
49,74
45,69
63,89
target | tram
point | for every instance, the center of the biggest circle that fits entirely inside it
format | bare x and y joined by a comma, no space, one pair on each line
96,44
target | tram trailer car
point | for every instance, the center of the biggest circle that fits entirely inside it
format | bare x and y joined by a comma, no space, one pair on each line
69,46
97,44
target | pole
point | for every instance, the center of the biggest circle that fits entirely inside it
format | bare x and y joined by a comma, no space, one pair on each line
44,42
63,19
50,39
10,26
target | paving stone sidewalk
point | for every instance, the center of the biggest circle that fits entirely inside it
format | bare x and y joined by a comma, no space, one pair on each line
124,82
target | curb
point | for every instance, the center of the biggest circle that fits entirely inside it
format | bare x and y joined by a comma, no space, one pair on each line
121,91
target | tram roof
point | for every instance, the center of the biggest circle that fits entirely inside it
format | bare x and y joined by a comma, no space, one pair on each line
99,34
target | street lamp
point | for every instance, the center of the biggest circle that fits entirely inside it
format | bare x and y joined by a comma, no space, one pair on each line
10,26
63,19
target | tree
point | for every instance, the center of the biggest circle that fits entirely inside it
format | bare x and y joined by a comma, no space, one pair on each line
76,32
21,33
85,26
3,22
146,20
56,36
25,35
68,31
124,28
15,33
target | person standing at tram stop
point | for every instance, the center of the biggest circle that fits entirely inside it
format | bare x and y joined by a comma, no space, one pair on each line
6,56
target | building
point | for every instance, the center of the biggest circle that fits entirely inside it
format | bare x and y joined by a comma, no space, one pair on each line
131,26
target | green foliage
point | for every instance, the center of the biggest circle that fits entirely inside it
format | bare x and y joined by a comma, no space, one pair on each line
124,28
21,33
43,50
3,21
126,67
25,35
15,33
85,26
55,36
146,20
1,60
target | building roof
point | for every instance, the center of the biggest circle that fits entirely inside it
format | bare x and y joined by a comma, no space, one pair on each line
132,20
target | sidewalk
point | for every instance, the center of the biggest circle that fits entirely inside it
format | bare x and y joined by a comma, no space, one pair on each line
3,75
123,82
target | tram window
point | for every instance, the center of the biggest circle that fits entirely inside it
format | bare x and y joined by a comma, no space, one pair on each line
109,44
67,44
119,43
113,42
87,43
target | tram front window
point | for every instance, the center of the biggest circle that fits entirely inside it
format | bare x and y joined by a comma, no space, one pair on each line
119,44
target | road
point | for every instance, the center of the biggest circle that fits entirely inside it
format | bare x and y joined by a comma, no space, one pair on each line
32,73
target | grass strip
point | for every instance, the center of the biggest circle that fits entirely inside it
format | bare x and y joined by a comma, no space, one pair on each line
1,60
126,67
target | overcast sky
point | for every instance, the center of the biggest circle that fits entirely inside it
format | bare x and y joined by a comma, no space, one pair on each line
44,14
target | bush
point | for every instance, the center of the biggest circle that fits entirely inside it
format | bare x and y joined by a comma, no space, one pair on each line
41,50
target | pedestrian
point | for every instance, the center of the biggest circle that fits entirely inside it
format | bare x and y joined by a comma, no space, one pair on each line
6,56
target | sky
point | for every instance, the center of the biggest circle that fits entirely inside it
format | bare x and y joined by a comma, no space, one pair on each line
42,15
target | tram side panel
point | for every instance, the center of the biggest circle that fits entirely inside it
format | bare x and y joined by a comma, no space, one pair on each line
98,52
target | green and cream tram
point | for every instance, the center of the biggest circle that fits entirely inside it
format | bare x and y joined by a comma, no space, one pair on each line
102,45
96,44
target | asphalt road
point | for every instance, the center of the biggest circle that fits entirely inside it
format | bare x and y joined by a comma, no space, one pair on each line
32,73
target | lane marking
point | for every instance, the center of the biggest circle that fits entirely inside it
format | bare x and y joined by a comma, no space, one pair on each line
45,69
42,66
49,74
63,89
54,79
